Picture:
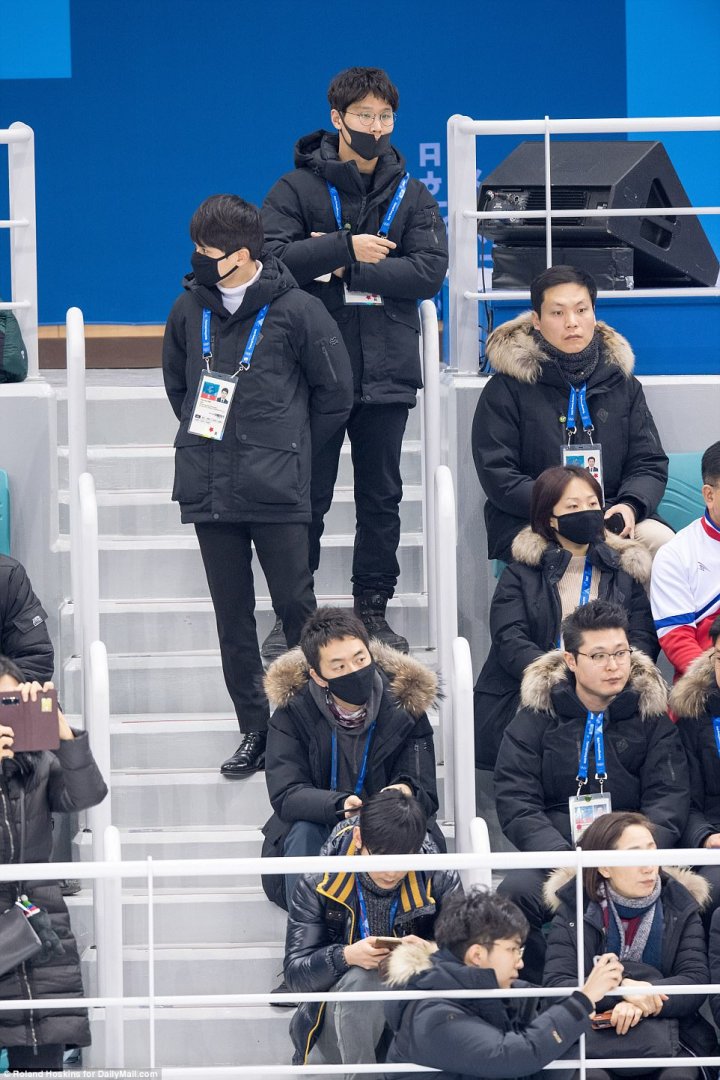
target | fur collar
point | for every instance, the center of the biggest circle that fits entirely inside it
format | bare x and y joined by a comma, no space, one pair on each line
528,548
690,693
696,885
545,673
512,350
408,960
412,685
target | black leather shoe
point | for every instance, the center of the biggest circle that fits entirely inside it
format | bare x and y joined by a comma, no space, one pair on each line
248,758
274,644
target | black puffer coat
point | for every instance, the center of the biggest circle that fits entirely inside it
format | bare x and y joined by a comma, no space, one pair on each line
484,1037
294,397
525,617
45,783
538,760
325,915
695,700
23,630
382,341
684,955
519,427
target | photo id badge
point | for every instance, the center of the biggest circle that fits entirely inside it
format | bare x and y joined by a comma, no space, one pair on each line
364,299
586,456
212,404
584,809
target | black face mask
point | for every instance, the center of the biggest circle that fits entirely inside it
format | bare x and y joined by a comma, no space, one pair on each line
582,526
206,269
355,687
365,144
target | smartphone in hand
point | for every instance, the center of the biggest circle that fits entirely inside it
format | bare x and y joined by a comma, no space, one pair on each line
34,723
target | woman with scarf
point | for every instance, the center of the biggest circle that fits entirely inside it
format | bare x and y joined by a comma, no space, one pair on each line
562,559
650,918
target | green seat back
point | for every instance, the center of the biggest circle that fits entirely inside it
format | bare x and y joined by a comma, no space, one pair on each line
682,501
4,514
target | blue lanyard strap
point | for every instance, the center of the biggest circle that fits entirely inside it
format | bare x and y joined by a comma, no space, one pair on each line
389,214
586,579
335,200
364,924
716,729
205,333
363,767
593,732
578,400
252,341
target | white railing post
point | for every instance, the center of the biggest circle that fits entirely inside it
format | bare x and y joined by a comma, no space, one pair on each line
97,725
463,245
446,586
431,453
89,569
77,455
23,239
463,744
109,943
479,845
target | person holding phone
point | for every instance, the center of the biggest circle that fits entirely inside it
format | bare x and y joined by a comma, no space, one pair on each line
34,785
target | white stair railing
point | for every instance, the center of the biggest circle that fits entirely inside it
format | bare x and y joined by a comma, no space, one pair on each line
445,573
463,745
77,457
20,140
430,342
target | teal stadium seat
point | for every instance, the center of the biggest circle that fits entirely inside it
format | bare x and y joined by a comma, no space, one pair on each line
4,514
682,501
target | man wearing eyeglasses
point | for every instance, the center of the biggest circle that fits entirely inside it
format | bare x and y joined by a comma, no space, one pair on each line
591,735
355,229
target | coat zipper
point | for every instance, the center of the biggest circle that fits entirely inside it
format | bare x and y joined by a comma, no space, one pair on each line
31,1021
6,817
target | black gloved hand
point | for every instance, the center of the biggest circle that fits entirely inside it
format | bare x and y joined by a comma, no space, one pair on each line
51,943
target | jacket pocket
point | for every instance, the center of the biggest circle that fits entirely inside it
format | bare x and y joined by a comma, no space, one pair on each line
267,466
192,468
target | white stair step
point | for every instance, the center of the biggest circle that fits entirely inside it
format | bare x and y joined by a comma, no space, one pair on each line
188,798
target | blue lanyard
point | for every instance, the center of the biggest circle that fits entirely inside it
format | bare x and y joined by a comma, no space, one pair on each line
391,210
364,924
593,731
363,768
716,729
578,400
586,579
251,342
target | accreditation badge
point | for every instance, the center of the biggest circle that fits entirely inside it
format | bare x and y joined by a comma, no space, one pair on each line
584,809
362,299
586,456
212,404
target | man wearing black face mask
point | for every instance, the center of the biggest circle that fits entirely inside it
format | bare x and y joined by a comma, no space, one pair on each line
349,721
358,232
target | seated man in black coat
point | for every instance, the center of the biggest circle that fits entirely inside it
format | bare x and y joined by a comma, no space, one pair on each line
480,939
335,922
350,720
545,756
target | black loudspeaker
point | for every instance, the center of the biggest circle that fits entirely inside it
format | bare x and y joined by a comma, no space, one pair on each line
669,250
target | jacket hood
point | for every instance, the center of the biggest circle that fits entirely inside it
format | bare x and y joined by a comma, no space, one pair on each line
529,547
408,961
274,280
425,967
558,881
513,350
549,671
690,694
412,685
319,153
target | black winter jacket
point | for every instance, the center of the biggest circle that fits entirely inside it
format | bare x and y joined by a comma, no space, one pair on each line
294,397
695,700
525,617
32,787
486,1037
519,427
538,760
299,745
684,955
325,914
23,631
382,341
714,958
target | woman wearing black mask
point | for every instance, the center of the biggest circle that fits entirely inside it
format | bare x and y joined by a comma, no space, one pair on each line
561,560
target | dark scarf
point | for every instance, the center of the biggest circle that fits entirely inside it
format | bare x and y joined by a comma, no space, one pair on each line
646,913
575,368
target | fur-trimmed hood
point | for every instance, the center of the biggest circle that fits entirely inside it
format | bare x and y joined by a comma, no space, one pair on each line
412,684
513,350
529,547
689,695
696,885
408,960
548,671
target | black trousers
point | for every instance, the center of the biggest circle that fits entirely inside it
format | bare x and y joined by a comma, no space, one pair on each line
376,435
282,549
47,1058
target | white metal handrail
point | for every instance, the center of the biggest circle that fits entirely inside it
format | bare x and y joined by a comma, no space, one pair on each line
89,568
463,732
430,343
77,456
20,140
445,573
462,323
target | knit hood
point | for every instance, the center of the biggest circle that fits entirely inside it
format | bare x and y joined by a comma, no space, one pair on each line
696,885
513,350
529,548
550,671
413,686
690,694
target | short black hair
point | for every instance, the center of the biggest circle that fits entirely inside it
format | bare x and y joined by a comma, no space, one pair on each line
228,223
560,275
9,667
329,624
710,464
392,823
715,630
604,834
479,918
549,488
355,83
597,615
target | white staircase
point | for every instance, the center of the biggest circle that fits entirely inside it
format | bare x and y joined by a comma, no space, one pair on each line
173,724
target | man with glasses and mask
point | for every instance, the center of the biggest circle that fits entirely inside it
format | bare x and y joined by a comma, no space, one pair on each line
356,230
591,735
